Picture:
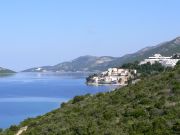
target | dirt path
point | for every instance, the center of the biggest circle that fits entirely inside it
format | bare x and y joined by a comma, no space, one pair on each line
21,130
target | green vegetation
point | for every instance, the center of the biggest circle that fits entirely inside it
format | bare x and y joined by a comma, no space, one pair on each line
142,70
146,69
149,107
4,71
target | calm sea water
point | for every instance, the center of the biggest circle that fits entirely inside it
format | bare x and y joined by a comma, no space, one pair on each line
25,95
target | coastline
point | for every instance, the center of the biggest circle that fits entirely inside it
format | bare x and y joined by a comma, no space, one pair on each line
31,94
116,86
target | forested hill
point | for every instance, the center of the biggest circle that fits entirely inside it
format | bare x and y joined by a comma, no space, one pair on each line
5,71
149,107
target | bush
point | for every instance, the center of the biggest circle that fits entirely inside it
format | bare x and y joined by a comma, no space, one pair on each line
63,104
138,112
176,128
14,128
78,99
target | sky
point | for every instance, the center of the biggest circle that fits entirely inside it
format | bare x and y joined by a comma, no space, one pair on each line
46,32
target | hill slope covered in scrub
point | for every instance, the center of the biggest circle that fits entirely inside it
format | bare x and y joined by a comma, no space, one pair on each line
149,107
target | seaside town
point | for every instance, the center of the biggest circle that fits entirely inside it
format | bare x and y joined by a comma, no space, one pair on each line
120,76
114,76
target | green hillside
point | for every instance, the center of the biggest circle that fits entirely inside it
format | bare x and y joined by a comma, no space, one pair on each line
5,71
150,107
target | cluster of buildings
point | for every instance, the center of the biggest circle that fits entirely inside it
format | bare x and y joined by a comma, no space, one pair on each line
165,61
120,76
116,76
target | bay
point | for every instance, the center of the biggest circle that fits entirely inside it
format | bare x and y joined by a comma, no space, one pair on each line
25,95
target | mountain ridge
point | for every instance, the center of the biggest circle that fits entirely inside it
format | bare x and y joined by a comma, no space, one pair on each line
90,63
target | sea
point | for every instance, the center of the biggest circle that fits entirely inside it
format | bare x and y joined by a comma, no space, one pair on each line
27,95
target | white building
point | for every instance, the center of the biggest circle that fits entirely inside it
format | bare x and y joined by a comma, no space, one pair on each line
165,61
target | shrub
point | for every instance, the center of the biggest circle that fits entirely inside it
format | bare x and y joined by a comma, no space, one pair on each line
78,99
14,128
63,104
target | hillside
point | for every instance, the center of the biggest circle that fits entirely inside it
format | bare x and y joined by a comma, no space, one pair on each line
95,64
81,64
5,71
166,49
149,107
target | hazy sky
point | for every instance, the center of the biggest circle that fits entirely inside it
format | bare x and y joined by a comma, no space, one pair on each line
47,32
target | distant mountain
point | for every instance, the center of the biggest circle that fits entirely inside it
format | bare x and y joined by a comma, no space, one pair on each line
94,64
166,49
81,64
4,70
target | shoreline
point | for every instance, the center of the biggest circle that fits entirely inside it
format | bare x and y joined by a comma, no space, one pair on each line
105,84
